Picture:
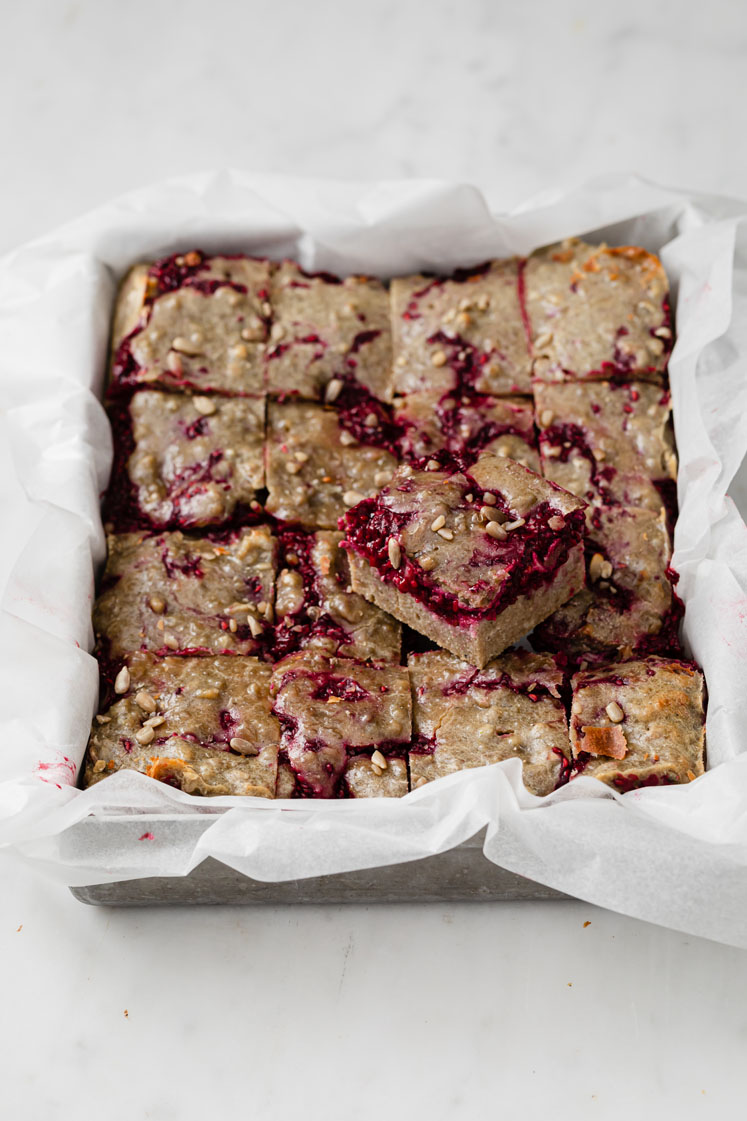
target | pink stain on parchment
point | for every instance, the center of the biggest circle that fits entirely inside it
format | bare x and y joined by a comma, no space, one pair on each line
147,837
64,770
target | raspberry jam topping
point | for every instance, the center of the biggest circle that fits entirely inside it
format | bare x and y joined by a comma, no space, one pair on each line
184,271
329,780
186,565
296,629
465,430
570,438
356,409
343,688
121,510
534,690
530,555
169,274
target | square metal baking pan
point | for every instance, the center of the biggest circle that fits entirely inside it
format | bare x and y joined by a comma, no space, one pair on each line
463,874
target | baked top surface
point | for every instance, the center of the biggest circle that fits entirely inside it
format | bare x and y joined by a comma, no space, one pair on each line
196,722
195,459
333,708
274,387
326,328
167,592
606,442
627,606
465,717
637,721
197,325
316,464
315,605
466,329
596,311
456,429
435,525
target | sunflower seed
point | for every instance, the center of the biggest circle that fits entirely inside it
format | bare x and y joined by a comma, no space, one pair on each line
614,712
332,392
122,680
204,405
145,701
496,530
395,553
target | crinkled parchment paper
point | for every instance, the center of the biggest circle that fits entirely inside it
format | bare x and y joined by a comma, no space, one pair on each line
673,855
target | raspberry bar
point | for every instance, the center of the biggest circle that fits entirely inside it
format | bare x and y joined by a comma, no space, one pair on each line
628,607
450,429
203,725
639,724
192,321
196,461
334,710
328,332
472,561
315,606
465,330
609,443
464,717
320,461
167,593
597,312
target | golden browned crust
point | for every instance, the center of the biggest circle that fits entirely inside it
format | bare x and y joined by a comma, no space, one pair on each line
596,311
656,705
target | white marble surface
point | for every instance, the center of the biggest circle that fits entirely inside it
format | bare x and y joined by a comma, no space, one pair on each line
433,1012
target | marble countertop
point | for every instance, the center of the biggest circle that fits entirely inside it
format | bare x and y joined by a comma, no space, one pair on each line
431,1011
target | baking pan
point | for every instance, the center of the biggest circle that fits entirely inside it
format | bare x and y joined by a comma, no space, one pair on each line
598,844
461,875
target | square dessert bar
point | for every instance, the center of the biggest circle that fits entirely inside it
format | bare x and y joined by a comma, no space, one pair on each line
597,312
321,461
196,461
464,717
327,331
463,330
608,442
201,724
473,561
334,710
639,724
194,322
315,605
628,608
168,593
456,429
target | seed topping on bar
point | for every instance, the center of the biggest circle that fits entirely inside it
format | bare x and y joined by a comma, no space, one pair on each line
481,569
192,322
